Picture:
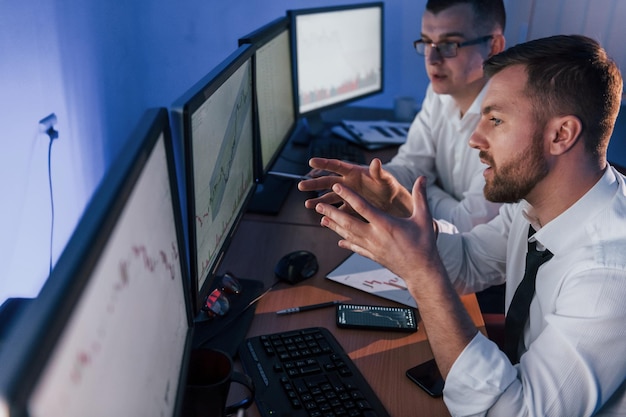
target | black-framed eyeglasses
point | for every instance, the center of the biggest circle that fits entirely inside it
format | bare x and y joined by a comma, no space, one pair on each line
216,303
446,49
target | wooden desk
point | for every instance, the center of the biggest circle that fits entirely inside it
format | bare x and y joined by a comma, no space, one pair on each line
382,357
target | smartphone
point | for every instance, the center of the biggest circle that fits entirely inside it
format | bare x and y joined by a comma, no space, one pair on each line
426,375
355,316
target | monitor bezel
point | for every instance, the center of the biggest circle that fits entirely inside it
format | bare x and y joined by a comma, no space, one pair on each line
38,328
258,38
293,14
183,108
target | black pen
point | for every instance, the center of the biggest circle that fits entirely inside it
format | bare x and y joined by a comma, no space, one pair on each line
307,308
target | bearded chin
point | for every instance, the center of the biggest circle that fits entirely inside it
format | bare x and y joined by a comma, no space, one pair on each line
515,180
503,191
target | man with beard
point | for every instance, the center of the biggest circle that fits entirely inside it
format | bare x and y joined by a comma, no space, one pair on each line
456,37
546,120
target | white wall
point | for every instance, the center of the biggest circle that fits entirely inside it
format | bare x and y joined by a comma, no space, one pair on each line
33,86
98,66
603,20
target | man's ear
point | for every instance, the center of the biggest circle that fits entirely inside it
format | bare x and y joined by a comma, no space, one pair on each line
564,132
498,43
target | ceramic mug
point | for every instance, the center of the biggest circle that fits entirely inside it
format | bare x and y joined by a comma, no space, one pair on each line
209,377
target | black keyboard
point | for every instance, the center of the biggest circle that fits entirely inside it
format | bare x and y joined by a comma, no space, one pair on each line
306,372
335,148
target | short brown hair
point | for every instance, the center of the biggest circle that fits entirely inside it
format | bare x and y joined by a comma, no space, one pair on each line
569,75
489,14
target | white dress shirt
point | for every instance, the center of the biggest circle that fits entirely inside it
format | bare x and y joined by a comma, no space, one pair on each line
437,147
575,338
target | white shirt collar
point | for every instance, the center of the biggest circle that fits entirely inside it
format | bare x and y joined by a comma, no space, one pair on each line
571,222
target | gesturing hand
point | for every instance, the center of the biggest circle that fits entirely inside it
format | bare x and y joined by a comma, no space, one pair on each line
399,244
373,183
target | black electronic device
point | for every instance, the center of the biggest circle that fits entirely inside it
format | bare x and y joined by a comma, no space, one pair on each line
10,309
427,376
338,56
332,148
111,328
275,119
274,98
306,372
215,121
296,266
355,316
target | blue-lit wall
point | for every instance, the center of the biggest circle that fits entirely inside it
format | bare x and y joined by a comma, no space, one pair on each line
98,66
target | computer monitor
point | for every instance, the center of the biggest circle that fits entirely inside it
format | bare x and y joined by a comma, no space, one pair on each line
110,332
338,55
272,80
275,113
215,120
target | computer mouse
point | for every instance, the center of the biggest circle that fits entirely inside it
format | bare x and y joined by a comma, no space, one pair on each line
296,266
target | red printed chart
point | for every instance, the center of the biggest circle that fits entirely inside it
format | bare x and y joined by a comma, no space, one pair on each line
366,275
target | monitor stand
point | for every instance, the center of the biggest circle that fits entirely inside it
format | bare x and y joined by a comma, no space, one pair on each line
273,191
270,195
310,127
315,125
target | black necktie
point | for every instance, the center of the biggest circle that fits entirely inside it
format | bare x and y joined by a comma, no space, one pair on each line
517,315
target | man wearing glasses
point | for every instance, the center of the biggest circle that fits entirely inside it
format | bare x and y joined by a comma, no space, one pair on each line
456,37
